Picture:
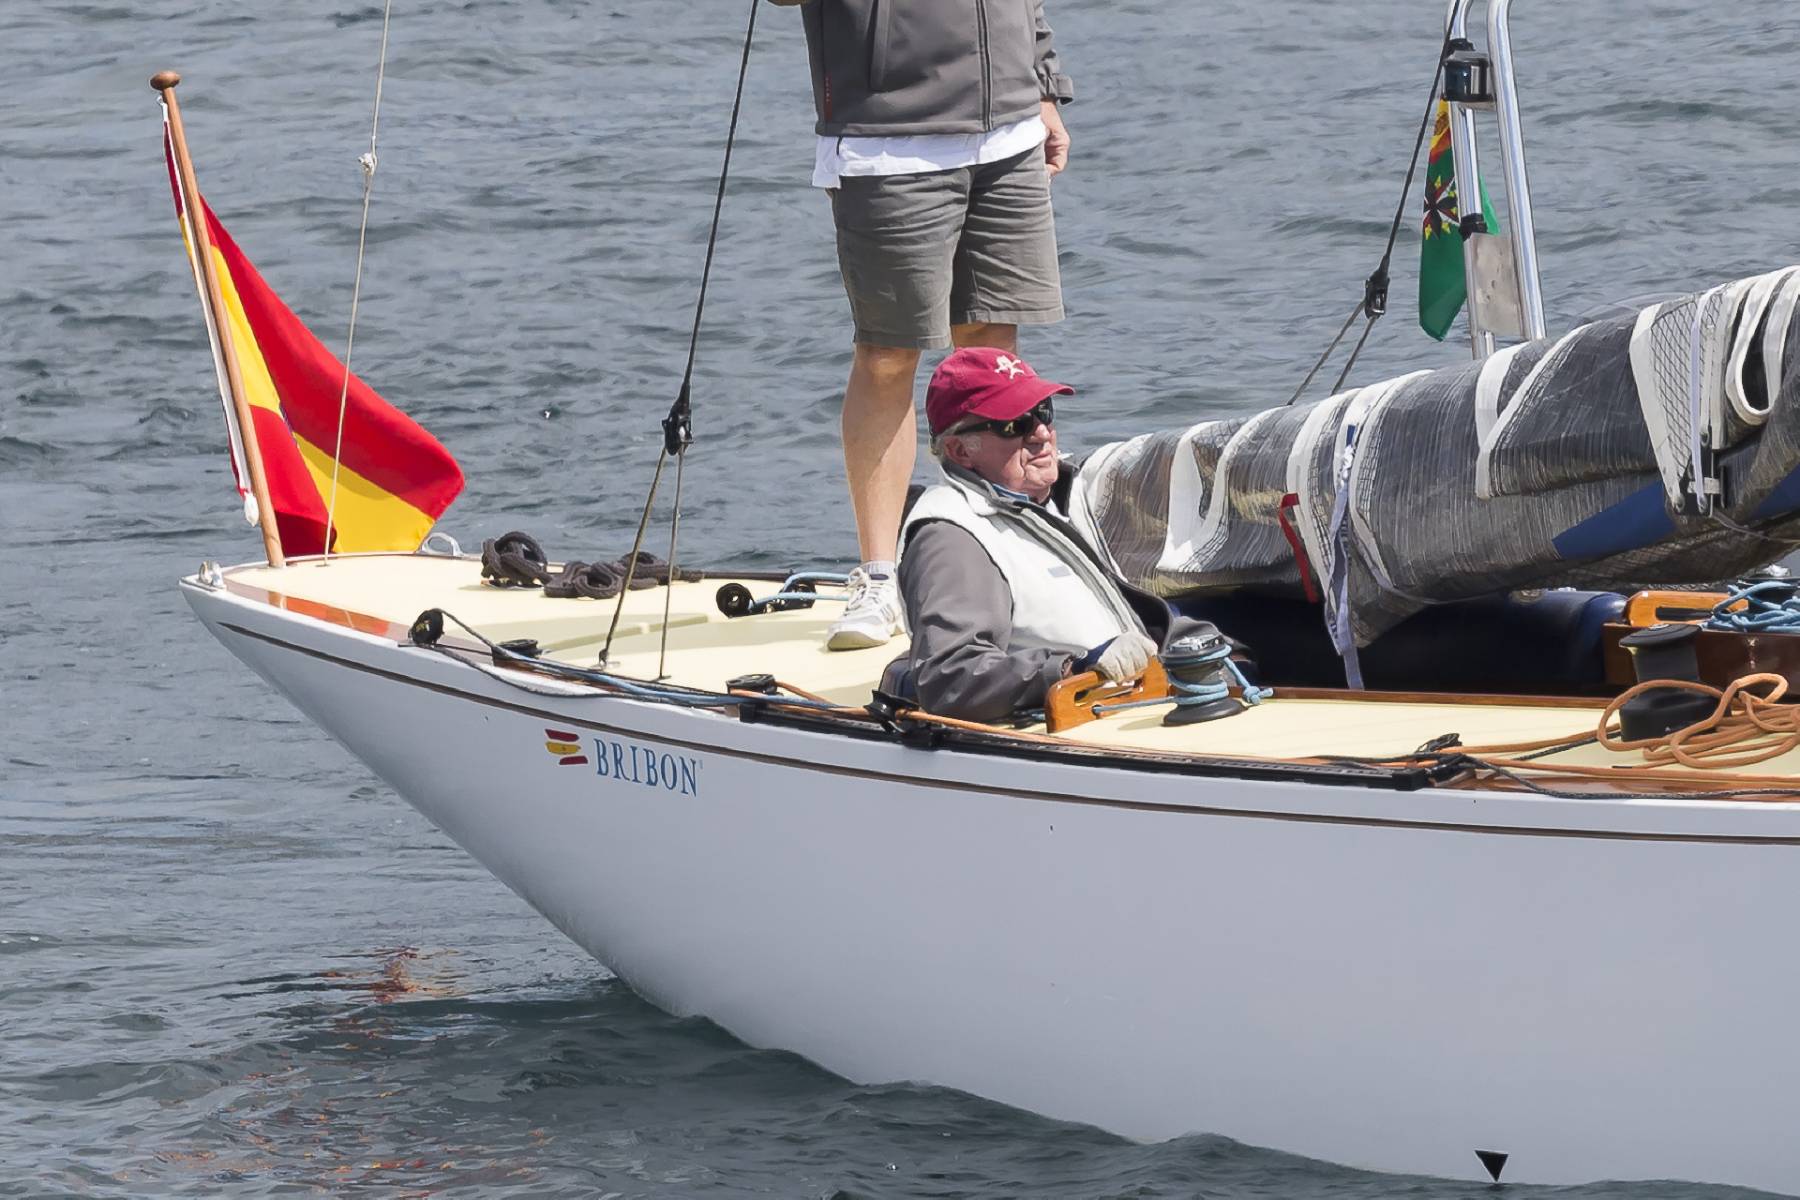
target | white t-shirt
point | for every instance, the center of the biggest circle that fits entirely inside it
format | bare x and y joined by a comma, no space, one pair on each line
837,157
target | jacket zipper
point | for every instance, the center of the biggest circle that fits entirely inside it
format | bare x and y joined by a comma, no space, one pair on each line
987,83
1098,584
879,13
1059,535
824,67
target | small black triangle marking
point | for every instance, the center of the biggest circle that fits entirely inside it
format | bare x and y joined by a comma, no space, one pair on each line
1494,1161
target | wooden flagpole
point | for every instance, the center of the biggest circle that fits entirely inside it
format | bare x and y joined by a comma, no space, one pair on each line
164,82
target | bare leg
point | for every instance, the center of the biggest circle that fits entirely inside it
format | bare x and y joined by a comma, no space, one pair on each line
982,333
881,443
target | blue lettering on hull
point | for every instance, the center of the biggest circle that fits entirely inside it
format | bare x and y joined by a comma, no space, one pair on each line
627,762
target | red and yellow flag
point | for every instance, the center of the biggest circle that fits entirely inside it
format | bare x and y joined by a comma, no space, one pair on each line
393,478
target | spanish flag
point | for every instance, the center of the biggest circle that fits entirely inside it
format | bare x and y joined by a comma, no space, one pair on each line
393,479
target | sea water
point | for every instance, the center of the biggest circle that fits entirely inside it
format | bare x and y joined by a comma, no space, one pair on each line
230,962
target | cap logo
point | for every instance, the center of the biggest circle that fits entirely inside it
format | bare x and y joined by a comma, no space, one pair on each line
1012,368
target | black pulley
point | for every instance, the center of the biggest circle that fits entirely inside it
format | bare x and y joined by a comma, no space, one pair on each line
1663,652
427,627
735,600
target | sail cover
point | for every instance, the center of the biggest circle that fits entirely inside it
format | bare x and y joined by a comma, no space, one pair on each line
1661,447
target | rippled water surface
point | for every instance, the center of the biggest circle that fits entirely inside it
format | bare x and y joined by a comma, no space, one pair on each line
229,962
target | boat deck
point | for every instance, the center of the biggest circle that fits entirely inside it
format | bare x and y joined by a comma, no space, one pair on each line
382,594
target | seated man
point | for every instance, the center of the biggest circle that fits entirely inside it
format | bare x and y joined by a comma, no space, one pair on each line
1003,595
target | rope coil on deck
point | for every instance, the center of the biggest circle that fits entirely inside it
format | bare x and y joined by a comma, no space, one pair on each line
1744,728
1771,606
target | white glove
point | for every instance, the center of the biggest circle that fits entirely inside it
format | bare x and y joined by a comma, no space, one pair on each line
1125,657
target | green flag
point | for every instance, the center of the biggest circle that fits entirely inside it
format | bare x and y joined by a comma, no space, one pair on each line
1442,288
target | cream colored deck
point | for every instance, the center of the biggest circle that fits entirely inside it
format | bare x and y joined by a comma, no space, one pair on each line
706,648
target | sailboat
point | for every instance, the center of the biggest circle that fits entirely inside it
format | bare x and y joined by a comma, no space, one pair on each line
1470,928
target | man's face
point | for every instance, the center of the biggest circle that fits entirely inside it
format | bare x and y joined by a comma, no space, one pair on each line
1023,464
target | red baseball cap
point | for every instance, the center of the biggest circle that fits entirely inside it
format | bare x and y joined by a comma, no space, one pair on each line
979,381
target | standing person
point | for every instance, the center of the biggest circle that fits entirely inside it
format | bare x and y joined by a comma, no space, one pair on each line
938,134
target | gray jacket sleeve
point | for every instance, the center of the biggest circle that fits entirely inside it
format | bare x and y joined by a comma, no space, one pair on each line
960,613
1052,83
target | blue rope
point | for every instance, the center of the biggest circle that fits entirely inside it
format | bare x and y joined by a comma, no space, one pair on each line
1771,606
790,592
1253,695
815,577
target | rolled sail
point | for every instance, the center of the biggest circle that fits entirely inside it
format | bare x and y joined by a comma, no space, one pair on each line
1659,447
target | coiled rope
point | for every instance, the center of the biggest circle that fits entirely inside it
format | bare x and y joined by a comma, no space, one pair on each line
1744,728
1204,691
1748,725
514,560
1207,669
367,163
1771,606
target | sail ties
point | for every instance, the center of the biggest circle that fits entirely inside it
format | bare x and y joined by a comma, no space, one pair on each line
1708,370
367,162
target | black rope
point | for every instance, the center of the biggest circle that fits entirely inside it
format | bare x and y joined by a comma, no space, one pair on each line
1446,762
678,426
631,560
1342,330
662,654
428,630
1355,350
1531,785
1375,287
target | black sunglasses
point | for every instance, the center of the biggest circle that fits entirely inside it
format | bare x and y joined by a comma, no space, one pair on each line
1023,425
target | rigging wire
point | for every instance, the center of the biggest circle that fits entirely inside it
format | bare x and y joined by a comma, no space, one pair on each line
367,163
662,654
678,426
1375,287
425,636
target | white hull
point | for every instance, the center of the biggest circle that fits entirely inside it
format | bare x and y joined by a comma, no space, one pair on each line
1393,980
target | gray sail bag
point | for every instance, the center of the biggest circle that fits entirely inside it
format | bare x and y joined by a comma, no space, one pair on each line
1661,447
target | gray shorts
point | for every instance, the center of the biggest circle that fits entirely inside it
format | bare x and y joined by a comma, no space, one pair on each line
920,253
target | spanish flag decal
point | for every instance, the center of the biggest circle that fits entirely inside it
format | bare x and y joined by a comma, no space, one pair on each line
565,747
393,478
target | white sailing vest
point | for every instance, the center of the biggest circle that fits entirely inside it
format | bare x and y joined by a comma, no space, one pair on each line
1060,596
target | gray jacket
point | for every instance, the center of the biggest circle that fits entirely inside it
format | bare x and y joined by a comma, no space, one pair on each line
894,67
959,612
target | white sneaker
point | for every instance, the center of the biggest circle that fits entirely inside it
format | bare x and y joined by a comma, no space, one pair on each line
871,616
